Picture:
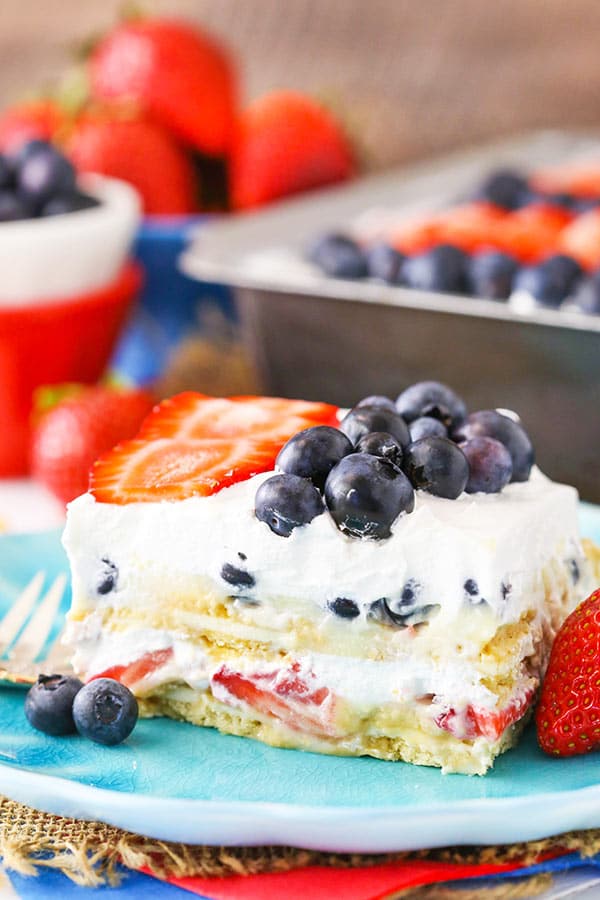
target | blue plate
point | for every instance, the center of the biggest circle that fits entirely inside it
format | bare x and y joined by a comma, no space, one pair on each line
180,783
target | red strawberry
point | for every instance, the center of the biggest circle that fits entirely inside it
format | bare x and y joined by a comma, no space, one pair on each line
580,178
38,119
198,416
132,673
139,152
75,431
282,694
477,721
176,73
194,445
139,471
287,143
568,714
581,239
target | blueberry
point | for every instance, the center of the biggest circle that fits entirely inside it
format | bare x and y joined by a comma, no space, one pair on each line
338,256
237,577
472,595
286,502
105,711
587,297
410,592
438,466
385,262
344,608
490,423
109,575
505,188
17,157
49,704
12,207
443,268
5,174
366,494
380,443
491,274
43,174
377,400
407,603
561,199
550,282
426,426
364,419
431,398
505,589
383,611
313,453
379,612
585,204
490,465
67,203
574,570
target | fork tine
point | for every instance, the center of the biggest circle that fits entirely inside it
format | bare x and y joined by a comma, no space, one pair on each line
35,635
17,615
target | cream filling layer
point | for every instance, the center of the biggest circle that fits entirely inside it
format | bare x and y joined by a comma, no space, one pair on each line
499,541
364,683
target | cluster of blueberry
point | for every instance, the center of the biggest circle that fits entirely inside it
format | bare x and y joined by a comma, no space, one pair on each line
365,472
103,710
38,181
491,274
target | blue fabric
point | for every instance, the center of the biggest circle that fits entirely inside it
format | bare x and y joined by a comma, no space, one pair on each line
51,885
172,306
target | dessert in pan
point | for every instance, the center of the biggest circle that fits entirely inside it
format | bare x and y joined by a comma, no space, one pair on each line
383,581
530,240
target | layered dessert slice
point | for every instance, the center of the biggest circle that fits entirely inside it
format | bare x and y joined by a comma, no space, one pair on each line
385,582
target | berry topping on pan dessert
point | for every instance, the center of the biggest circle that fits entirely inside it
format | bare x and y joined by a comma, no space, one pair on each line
383,581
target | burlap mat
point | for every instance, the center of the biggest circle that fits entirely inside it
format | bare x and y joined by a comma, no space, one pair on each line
89,853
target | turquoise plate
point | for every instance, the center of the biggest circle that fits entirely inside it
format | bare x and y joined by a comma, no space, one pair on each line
176,782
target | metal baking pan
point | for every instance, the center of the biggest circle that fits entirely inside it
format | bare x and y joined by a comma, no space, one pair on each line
330,339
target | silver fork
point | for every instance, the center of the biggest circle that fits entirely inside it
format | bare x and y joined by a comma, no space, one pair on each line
24,633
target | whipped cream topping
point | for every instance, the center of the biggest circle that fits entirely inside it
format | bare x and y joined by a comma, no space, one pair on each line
494,540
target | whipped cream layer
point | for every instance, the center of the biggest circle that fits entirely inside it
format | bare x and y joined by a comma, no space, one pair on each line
495,540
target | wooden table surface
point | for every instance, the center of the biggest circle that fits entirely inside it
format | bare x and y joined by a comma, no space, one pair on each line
411,77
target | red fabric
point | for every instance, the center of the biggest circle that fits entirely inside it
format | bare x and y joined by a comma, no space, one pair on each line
323,883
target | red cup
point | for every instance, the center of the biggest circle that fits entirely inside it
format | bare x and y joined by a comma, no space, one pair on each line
54,342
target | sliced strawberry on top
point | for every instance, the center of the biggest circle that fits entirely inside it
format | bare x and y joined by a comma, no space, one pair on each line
580,179
199,416
581,239
140,471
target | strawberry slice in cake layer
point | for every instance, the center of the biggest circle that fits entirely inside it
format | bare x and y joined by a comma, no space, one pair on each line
385,581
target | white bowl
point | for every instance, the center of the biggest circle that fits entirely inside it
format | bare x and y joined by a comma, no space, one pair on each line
70,254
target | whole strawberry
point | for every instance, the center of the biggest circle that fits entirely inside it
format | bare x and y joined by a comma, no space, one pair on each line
139,152
287,143
568,714
176,74
74,432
